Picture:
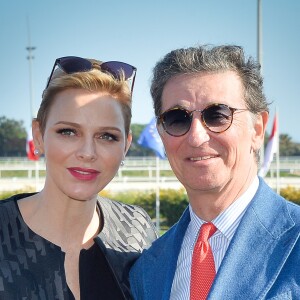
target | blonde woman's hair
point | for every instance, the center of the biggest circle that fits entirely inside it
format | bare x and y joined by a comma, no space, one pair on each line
93,81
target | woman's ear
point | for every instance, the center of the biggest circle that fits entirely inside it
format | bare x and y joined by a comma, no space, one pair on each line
37,137
128,142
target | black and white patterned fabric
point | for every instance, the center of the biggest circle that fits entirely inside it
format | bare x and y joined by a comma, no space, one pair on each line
33,268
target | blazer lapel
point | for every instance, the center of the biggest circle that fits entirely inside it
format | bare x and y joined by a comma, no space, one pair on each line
258,249
163,260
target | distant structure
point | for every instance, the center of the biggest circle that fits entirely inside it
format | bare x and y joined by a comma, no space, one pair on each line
30,57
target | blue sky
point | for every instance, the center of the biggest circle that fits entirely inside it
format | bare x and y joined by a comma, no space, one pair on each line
140,33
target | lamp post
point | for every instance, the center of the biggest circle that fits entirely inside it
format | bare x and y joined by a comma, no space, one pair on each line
30,57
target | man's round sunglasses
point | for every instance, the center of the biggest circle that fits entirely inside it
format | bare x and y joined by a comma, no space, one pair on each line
73,64
217,118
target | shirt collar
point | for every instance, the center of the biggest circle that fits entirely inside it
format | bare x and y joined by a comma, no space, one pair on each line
228,221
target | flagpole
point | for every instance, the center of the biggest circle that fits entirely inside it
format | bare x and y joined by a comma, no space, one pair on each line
157,201
277,157
150,138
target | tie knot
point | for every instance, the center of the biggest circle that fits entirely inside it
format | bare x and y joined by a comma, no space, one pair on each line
206,231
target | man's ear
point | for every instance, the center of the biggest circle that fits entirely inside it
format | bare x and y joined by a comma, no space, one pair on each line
160,129
260,126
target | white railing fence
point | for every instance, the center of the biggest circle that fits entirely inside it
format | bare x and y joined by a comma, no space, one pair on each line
137,173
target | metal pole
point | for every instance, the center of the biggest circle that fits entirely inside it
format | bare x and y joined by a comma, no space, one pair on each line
30,57
277,155
259,33
157,201
259,59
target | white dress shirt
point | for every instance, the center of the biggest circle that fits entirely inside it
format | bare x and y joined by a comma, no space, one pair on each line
226,223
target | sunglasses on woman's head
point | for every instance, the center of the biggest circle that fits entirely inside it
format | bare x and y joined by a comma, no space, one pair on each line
217,118
73,64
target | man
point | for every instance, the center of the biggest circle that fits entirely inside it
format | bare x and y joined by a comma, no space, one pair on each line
212,115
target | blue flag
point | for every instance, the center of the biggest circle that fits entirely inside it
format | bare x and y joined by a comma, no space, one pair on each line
150,138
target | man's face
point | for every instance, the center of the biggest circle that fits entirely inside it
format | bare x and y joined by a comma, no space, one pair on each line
207,161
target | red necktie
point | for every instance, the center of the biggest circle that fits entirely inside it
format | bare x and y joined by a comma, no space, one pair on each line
203,266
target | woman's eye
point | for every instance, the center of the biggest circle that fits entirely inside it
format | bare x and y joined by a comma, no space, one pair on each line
108,137
67,131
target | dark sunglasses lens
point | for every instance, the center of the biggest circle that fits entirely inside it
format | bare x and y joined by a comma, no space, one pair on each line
116,68
75,64
176,122
217,118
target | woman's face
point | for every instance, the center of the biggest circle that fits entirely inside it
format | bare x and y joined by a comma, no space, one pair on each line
84,142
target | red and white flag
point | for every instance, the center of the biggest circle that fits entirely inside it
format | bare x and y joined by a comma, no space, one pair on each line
30,146
271,149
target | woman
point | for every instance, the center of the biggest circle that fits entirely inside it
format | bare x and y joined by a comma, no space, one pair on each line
66,242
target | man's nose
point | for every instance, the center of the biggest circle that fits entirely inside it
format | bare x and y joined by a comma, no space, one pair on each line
198,133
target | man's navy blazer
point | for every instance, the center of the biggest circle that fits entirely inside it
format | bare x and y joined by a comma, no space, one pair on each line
261,262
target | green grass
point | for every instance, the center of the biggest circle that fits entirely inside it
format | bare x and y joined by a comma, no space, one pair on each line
20,173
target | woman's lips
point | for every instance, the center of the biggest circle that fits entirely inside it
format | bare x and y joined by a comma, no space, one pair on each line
83,174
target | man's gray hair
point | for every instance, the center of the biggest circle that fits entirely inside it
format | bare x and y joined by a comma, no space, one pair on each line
210,59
